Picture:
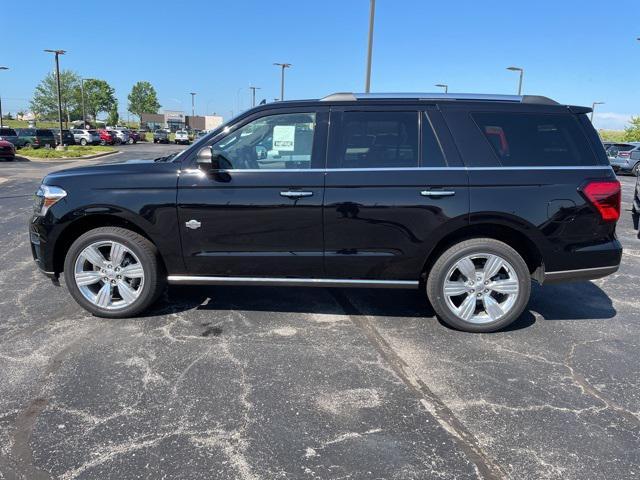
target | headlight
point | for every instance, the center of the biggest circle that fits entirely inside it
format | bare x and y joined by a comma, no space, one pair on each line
45,197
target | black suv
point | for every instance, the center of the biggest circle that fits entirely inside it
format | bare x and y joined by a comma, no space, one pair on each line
467,197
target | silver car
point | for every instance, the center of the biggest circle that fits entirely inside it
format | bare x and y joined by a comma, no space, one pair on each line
121,133
86,137
625,157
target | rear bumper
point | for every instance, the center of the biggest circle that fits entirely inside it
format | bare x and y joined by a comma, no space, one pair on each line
578,275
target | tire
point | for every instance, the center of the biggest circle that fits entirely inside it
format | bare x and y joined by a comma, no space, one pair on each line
83,142
513,272
139,251
636,170
131,142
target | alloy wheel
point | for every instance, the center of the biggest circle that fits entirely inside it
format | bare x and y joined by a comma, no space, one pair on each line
481,288
109,275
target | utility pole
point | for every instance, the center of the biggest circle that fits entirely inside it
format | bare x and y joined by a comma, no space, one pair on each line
57,54
593,108
193,104
521,70
372,11
2,68
443,85
283,66
253,95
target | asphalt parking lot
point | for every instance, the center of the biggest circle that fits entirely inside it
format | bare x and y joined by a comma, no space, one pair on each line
266,383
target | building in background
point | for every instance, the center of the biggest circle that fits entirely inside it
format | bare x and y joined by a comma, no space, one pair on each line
175,120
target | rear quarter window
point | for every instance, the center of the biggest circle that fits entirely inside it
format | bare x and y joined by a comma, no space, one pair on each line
44,133
536,139
7,131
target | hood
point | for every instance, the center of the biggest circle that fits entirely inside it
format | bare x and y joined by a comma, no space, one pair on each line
113,172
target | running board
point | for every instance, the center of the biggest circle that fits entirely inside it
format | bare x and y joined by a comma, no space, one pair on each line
289,282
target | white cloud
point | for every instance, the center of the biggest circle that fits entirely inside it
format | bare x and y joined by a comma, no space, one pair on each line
611,120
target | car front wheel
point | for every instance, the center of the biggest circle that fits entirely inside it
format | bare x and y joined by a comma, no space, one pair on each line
113,272
479,285
83,142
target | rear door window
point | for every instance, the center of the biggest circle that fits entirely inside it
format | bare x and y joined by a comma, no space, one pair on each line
432,155
535,139
378,140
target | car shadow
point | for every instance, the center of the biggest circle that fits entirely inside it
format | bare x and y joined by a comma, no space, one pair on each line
570,301
18,158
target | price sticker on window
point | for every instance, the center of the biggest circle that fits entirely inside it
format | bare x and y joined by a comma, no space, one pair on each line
284,138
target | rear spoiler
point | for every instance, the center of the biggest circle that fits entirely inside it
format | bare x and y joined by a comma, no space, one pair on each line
577,110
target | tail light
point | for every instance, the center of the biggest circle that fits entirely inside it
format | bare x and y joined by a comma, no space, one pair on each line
606,197
36,140
624,154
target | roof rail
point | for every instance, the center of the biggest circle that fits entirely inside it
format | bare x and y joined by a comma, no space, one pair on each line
351,97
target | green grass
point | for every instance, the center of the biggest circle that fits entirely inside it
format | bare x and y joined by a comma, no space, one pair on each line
25,124
71,152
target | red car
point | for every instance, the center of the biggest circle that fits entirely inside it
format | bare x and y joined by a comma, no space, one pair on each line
7,150
106,137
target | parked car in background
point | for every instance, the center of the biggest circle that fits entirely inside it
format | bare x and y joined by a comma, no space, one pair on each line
122,134
160,136
134,137
142,135
633,164
182,137
620,156
107,137
7,150
85,136
67,137
8,135
466,198
35,138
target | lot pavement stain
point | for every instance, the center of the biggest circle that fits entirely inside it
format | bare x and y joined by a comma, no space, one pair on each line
486,468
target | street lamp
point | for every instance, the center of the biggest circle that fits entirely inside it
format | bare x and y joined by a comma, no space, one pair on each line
2,68
521,70
593,108
283,66
372,11
253,95
57,53
443,85
193,104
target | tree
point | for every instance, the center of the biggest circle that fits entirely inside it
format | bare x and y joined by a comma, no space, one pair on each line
113,116
632,132
45,98
143,99
98,97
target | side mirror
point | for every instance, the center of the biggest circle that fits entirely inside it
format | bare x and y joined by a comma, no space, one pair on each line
204,158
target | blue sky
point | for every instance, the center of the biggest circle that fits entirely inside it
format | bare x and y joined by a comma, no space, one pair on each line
573,51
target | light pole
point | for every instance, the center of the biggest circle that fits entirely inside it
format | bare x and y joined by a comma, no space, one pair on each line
193,104
57,54
253,95
372,11
593,108
283,66
2,68
443,85
521,70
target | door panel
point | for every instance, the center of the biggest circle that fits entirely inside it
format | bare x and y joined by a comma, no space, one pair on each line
380,223
262,222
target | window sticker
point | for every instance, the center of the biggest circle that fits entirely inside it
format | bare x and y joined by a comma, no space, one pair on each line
284,138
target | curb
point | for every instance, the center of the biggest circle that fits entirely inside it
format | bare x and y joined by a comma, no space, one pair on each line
66,159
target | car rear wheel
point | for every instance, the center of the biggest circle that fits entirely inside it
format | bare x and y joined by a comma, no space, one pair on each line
479,285
83,142
113,272
636,169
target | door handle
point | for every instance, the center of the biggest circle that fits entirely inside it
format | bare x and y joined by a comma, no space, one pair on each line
437,193
295,194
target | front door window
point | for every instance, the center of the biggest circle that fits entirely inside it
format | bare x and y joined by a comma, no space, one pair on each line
271,142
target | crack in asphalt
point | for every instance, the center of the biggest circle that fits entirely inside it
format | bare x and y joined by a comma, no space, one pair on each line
485,467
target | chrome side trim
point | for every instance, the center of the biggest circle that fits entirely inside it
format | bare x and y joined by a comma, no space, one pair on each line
400,169
290,282
580,274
